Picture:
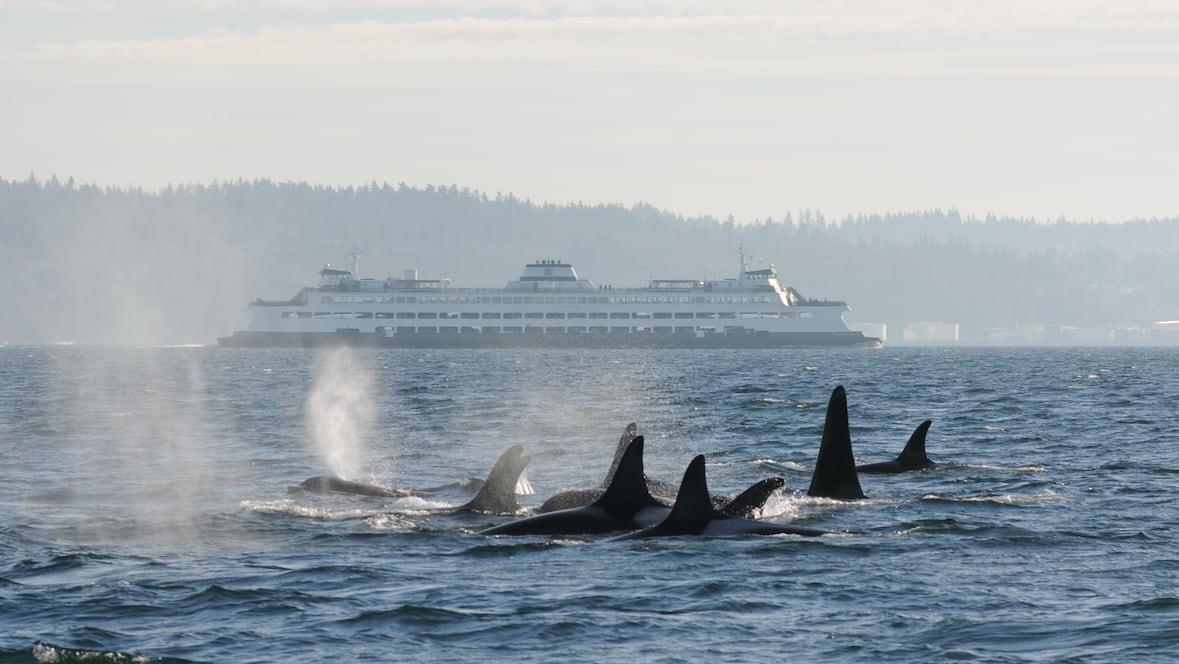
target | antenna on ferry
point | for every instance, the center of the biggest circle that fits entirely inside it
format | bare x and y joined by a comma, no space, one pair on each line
355,256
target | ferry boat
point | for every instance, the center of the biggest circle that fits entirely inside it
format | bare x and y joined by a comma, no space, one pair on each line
548,306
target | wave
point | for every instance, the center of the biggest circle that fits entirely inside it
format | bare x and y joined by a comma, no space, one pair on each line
1047,497
48,653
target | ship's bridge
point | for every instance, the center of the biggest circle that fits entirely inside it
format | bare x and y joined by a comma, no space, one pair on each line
549,275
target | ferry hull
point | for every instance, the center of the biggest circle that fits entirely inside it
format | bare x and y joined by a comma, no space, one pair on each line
541,340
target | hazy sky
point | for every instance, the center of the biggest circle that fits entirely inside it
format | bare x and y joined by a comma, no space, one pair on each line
1041,108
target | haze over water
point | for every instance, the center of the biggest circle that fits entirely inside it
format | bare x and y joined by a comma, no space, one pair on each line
144,505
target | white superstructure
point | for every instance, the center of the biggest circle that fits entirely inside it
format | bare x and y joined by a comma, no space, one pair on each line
549,298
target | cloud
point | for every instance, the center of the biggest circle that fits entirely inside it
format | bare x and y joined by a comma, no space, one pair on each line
791,38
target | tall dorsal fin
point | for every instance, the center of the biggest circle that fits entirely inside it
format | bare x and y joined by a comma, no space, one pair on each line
693,502
914,452
628,434
627,493
835,470
498,493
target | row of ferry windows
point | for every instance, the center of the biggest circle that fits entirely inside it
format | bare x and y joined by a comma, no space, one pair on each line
485,299
407,315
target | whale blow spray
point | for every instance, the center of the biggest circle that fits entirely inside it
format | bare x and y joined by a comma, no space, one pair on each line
340,411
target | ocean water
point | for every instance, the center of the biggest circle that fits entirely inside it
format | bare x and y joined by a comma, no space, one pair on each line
145,510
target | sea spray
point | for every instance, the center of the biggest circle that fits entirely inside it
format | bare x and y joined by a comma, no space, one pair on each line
340,411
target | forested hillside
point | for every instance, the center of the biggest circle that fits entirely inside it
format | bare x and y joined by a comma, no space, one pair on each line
93,264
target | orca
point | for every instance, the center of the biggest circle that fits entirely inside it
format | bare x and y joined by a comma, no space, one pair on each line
570,498
625,505
496,494
911,458
694,514
835,469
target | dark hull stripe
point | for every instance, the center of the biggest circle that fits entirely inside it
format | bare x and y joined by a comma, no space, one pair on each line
560,340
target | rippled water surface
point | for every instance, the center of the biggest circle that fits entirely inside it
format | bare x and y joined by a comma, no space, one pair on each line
145,510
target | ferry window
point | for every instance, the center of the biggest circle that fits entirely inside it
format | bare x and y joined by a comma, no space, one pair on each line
534,315
491,315
448,329
662,314
682,330
575,315
583,300
497,300
406,314
427,314
599,314
490,329
514,300
727,314
401,329
513,315
513,329
469,330
304,314
659,329
533,329
368,300
528,300
468,315
364,314
554,315
427,328
559,300
554,330
619,314
705,315
620,329
597,329
411,300
323,314
484,300
643,315
449,316
683,315
384,314
575,329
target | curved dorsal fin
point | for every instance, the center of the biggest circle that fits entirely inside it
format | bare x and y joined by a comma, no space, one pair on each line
693,502
628,434
627,493
752,499
498,493
914,452
835,469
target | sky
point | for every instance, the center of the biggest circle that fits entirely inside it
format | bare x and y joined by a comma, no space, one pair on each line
744,107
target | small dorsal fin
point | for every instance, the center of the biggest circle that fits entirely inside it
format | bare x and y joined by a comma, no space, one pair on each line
914,452
752,499
835,469
628,434
693,502
627,493
498,493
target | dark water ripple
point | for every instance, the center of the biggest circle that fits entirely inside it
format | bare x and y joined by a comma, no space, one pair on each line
144,512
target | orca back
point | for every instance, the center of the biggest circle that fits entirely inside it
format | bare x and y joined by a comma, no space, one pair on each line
835,469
